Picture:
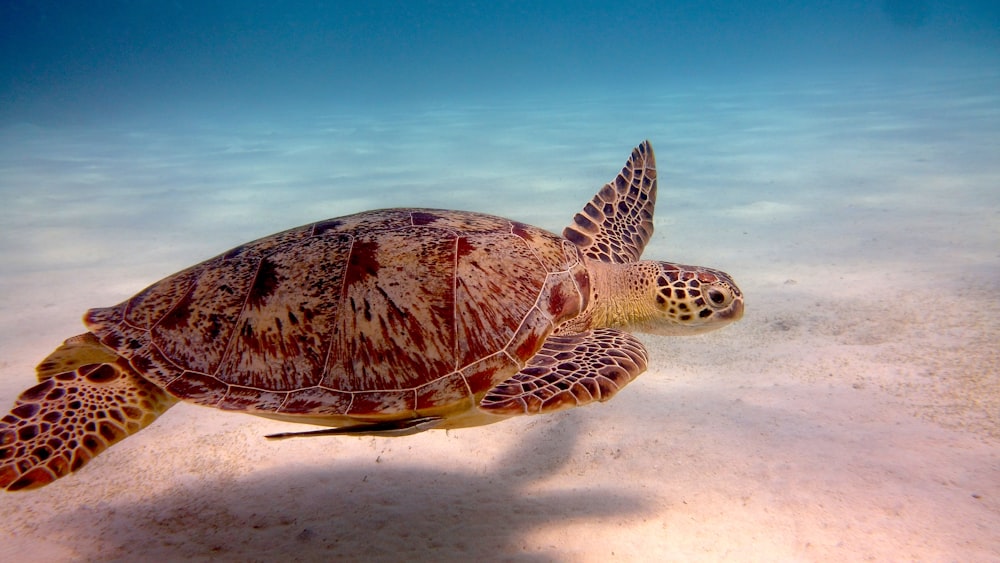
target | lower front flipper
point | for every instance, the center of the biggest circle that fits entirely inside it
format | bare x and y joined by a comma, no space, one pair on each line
570,370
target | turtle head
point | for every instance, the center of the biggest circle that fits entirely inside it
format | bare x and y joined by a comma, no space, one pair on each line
691,300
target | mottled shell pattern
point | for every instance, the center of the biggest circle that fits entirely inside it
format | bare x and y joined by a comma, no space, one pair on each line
379,315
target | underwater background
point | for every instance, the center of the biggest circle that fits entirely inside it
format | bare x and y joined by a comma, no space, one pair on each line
840,159
91,62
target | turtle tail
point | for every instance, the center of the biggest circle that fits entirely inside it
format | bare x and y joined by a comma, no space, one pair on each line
87,399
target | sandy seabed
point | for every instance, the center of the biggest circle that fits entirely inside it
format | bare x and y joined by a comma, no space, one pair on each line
853,414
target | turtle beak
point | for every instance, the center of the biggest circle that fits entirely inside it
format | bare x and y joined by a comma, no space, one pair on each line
734,313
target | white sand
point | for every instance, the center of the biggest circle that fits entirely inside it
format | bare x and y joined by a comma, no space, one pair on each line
854,413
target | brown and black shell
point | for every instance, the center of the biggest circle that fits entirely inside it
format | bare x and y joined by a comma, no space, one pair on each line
384,314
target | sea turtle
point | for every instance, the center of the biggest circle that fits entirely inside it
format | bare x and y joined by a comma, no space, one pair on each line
386,322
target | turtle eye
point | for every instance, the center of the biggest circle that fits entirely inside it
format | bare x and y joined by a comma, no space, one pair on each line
719,296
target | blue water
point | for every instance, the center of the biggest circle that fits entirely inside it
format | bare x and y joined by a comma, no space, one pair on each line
79,61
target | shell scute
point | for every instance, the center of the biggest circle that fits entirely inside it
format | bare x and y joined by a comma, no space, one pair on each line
546,247
367,222
285,326
196,331
484,374
467,223
498,285
152,303
198,387
397,327
104,319
528,339
148,361
561,296
262,246
383,403
441,391
317,401
248,399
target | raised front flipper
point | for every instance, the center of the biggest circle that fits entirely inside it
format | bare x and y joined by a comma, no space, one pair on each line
618,222
570,370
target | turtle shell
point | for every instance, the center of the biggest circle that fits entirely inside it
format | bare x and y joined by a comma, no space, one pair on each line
384,314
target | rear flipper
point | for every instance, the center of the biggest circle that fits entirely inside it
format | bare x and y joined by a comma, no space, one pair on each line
88,399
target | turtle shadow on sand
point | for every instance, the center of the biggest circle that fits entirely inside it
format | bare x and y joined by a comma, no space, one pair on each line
378,511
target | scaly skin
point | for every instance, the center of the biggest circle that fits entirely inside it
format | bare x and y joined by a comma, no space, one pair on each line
659,298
